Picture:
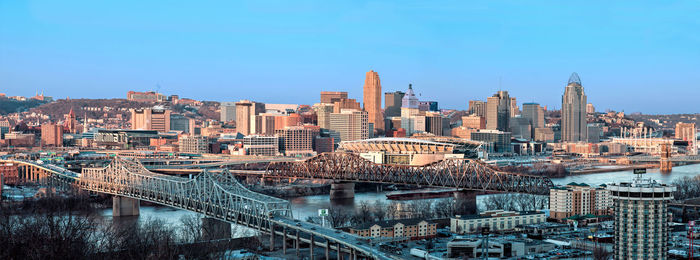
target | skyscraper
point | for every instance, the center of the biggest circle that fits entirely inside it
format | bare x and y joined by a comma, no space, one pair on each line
331,97
51,135
409,111
573,112
349,125
373,100
228,111
641,219
156,118
535,114
514,110
246,111
498,111
477,107
392,103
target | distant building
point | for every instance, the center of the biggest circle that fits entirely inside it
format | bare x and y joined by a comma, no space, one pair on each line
51,135
124,138
323,114
495,141
477,108
228,111
19,139
434,123
473,121
181,123
544,134
331,97
496,220
372,98
409,111
498,111
156,118
507,248
686,131
410,229
573,112
346,103
593,133
590,109
261,145
297,140
514,111
535,114
70,123
349,125
323,144
149,96
246,111
196,144
578,199
392,103
520,128
428,106
641,219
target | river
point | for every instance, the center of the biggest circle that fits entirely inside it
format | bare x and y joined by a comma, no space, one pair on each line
303,207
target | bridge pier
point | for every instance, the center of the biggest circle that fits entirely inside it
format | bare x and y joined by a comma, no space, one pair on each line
311,247
342,190
284,240
465,202
340,253
123,206
296,243
213,229
272,237
328,248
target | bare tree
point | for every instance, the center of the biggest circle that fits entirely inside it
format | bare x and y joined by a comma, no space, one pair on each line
379,211
339,216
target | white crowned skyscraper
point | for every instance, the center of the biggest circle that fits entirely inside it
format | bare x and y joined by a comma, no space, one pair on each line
573,112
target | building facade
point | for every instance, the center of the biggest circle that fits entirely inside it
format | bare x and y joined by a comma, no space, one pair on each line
392,103
246,111
297,139
349,125
372,97
641,219
261,145
156,118
51,135
410,229
573,112
228,111
330,97
193,144
496,220
409,111
535,114
578,199
477,108
498,111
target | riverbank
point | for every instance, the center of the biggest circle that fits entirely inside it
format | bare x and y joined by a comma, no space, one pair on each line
614,169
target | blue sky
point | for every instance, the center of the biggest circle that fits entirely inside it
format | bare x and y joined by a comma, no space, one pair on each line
631,55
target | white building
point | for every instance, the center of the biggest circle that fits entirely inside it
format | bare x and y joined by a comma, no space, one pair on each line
495,220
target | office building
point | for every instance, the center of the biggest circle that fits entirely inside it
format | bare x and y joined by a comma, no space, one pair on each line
428,106
297,139
498,111
261,145
590,109
641,219
578,199
346,103
686,131
330,97
323,144
410,229
245,112
514,110
392,104
594,133
477,108
573,112
473,121
372,97
323,114
51,135
520,128
535,114
544,134
349,125
149,96
181,123
494,141
228,111
496,220
409,111
434,123
195,144
156,118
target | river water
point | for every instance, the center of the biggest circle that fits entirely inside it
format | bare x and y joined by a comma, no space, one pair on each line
303,207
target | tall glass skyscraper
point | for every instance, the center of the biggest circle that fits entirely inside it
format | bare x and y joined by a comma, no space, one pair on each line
573,112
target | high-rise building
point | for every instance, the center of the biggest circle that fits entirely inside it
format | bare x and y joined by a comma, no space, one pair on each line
520,127
245,112
156,118
392,104
535,114
428,106
409,110
477,107
686,131
228,111
331,97
590,109
578,199
573,112
70,123
349,125
261,145
346,103
372,97
494,141
641,218
193,144
51,135
323,114
514,110
181,123
544,134
498,111
297,139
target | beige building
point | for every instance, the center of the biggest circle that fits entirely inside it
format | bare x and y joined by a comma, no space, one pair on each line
477,108
298,139
498,111
578,199
193,144
261,145
372,97
410,229
246,111
349,125
323,114
474,122
496,220
409,111
331,97
51,135
157,118
573,112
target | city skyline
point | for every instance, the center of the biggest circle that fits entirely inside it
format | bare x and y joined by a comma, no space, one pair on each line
451,59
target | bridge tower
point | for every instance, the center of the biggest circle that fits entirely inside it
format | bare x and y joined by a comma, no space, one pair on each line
665,159
123,206
342,190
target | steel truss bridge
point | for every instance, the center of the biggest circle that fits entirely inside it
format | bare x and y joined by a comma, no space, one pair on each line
450,173
649,158
216,195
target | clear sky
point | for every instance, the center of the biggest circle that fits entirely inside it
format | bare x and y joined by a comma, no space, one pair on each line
631,55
